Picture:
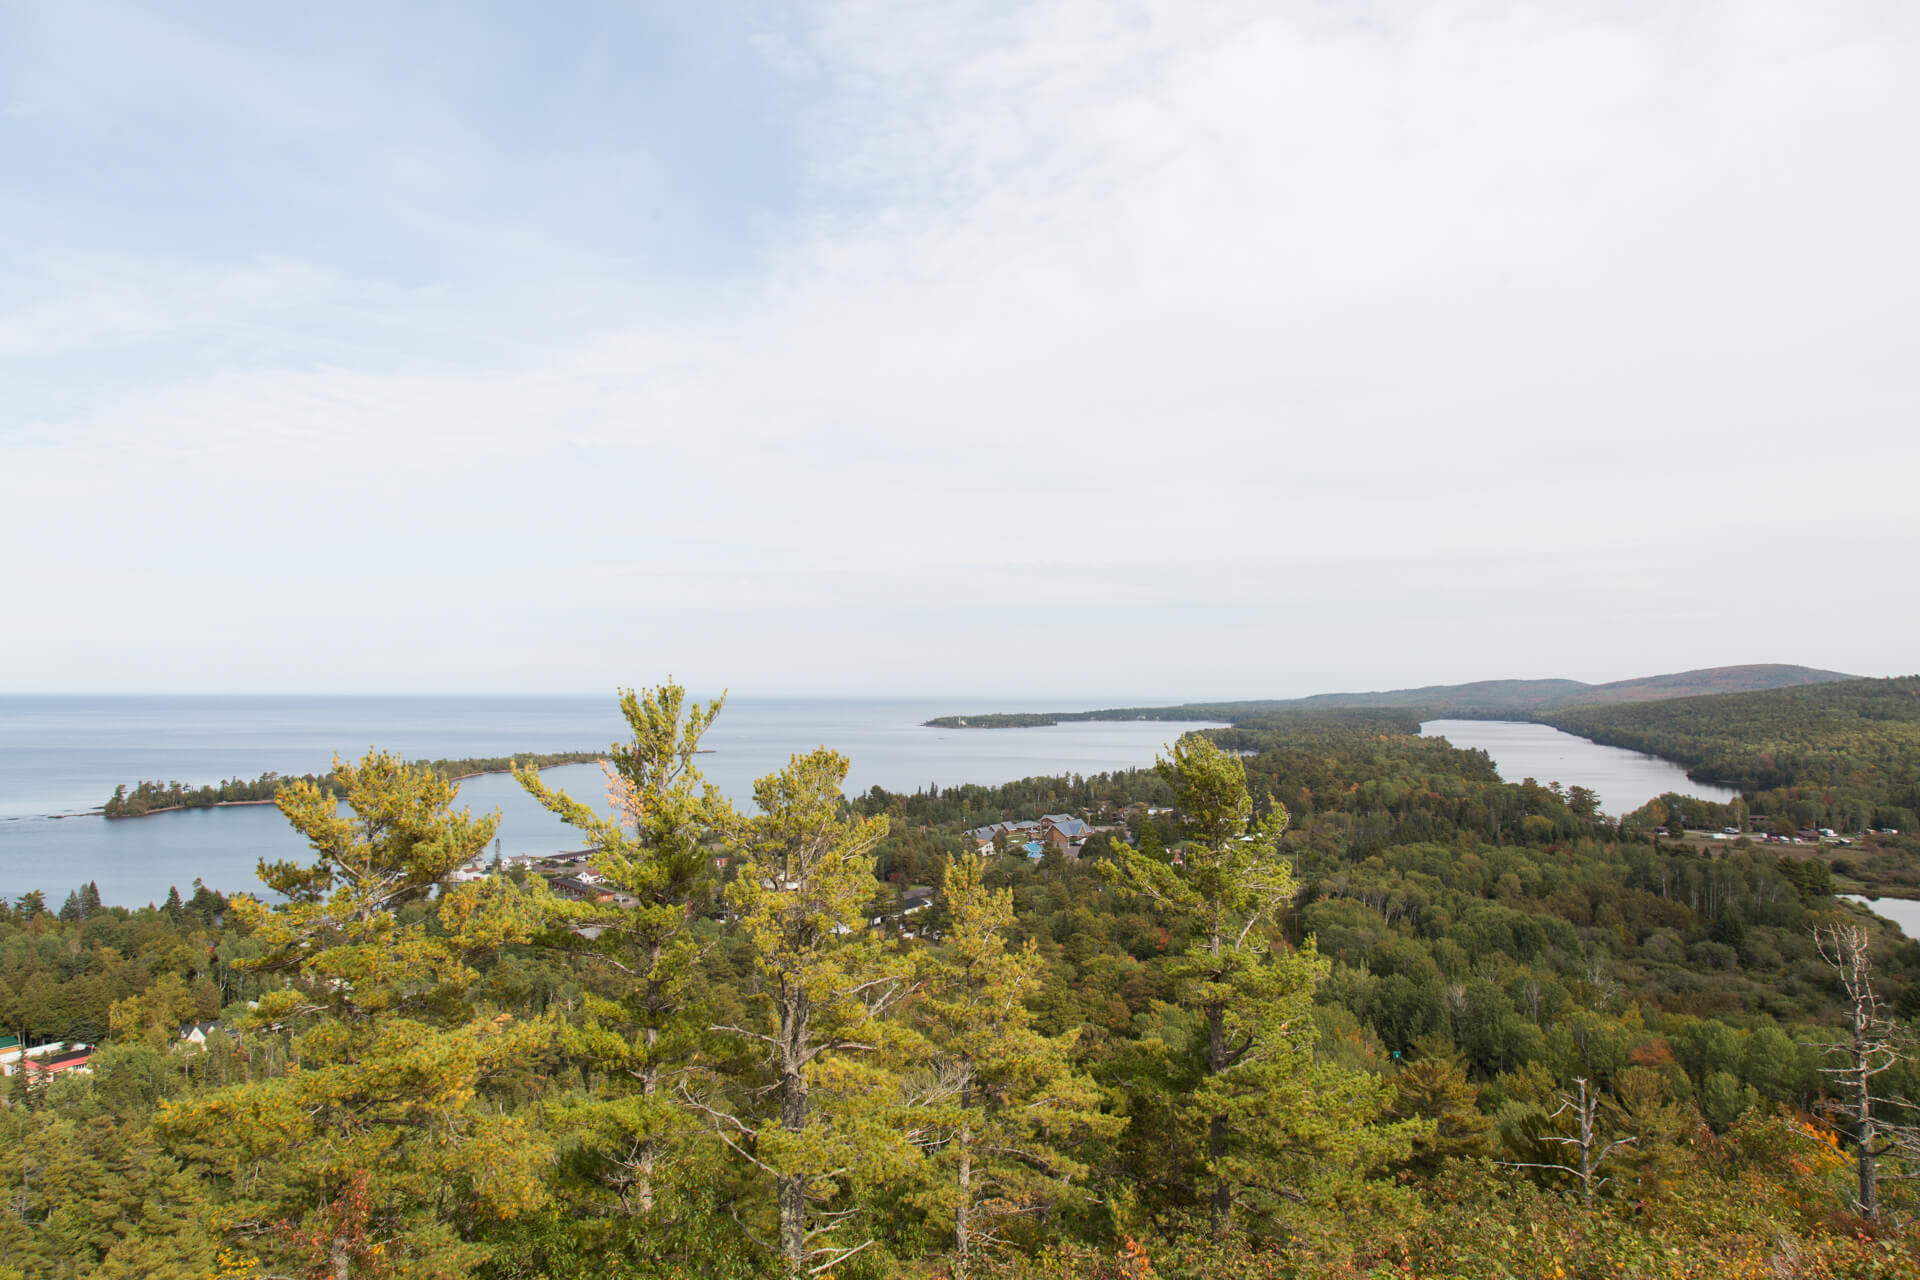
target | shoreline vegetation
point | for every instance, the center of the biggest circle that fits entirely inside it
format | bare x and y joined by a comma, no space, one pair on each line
1217,713
144,799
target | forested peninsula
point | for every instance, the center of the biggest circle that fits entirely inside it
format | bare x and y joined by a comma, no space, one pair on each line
162,797
1315,998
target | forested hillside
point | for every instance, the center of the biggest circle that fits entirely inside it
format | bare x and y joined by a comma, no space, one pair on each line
1844,755
1335,1001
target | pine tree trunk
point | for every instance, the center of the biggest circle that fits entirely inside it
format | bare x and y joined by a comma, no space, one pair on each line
650,1149
962,1210
791,1188
1221,1209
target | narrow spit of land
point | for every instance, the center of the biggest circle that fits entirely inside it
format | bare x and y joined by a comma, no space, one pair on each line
145,799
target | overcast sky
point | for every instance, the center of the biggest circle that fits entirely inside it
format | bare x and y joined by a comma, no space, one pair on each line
1062,348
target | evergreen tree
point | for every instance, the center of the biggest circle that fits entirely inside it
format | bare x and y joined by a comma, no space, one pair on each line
37,1079
1277,1124
1007,1103
640,1031
380,1147
826,1120
206,904
1151,844
1434,1087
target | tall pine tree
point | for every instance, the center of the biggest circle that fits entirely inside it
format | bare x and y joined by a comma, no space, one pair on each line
821,1118
1269,1123
1006,1103
641,1023
379,1151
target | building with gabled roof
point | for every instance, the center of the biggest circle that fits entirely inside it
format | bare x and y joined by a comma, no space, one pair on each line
197,1032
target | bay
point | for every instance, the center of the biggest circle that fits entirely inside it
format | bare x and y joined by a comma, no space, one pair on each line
1623,780
63,755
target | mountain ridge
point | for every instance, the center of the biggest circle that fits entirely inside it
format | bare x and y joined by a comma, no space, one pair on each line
1482,699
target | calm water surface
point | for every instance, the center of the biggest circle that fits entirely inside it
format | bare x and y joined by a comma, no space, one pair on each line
1624,780
1902,911
64,755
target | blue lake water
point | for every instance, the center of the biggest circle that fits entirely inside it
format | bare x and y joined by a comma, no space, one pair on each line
65,754
1624,780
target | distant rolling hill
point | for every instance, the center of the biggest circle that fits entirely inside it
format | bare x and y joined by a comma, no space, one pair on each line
1851,749
1505,696
1482,699
1691,684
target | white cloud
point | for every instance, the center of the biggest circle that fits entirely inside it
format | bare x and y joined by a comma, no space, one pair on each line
1251,330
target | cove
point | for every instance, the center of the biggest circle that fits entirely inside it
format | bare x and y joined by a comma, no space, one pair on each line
1624,780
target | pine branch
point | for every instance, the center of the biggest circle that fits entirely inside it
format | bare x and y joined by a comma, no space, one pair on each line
838,1258
747,1231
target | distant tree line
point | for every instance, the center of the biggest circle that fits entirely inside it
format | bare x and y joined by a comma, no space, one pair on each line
1231,712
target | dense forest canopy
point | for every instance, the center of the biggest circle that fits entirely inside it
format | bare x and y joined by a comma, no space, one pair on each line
1315,997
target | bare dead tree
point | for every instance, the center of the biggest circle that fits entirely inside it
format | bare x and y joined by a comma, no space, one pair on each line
1874,1046
1586,1150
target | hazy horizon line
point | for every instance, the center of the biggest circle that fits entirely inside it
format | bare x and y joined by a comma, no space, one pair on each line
1156,699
